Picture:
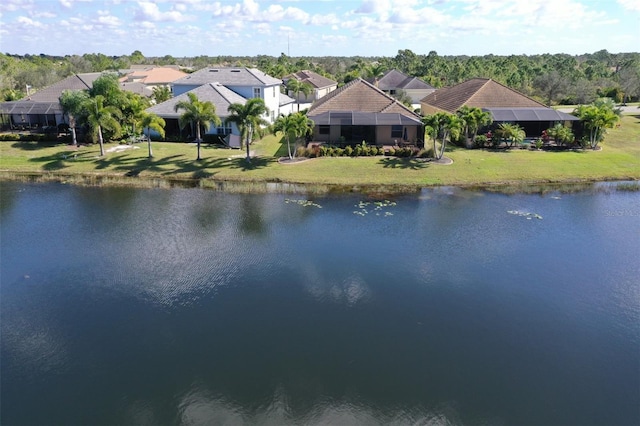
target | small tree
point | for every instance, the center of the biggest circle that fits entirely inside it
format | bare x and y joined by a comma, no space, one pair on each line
561,134
197,113
161,94
473,119
248,118
150,121
596,118
99,116
296,86
511,133
292,126
72,102
443,126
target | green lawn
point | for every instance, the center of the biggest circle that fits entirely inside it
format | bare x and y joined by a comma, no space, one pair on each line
618,160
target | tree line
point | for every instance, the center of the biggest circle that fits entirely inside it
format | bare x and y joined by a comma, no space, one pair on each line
550,78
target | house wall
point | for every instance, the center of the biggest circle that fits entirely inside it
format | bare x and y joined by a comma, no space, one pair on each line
417,94
384,137
325,91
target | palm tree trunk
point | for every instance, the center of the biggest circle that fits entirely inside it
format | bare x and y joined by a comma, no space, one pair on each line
149,143
74,139
100,141
249,135
198,138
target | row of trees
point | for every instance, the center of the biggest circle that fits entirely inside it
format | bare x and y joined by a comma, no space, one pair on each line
557,78
106,109
443,127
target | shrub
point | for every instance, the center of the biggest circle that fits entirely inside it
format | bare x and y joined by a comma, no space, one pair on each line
339,152
425,153
301,151
357,151
538,143
348,151
391,152
481,141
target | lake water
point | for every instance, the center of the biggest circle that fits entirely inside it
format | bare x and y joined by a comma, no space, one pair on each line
187,306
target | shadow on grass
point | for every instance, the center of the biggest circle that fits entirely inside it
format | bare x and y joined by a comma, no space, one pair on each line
35,146
59,161
404,163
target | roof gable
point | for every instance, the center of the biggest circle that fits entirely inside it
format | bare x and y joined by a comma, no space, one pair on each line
73,82
237,76
358,95
314,79
220,96
395,79
481,93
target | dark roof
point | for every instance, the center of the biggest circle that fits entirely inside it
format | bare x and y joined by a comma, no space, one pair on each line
359,96
355,118
529,114
478,92
238,76
314,79
220,96
73,82
30,107
395,79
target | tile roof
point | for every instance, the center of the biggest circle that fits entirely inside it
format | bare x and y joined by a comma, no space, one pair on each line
215,93
237,76
73,82
154,75
481,93
361,96
314,79
395,79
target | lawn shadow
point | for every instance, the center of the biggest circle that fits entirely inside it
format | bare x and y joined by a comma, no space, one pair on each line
35,146
254,163
404,163
59,161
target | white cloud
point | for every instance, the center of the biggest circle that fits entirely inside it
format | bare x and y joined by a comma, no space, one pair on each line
633,5
149,11
28,22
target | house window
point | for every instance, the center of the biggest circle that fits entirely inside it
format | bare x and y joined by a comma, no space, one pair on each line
256,92
324,129
224,129
396,131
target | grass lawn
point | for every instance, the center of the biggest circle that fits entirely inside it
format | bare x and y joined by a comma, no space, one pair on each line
618,160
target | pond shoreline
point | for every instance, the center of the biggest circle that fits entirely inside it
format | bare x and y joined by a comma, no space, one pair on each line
278,186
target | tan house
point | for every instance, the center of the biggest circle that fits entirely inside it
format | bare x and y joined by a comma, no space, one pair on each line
152,76
359,111
394,82
505,104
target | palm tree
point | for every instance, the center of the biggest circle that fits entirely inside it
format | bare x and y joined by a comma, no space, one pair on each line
150,122
296,86
473,119
375,71
443,126
248,118
292,126
197,113
511,133
596,118
101,117
161,94
72,102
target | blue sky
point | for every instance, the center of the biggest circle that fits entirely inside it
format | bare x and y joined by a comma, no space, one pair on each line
319,27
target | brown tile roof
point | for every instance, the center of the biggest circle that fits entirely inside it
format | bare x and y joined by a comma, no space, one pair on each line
314,79
358,95
478,92
154,75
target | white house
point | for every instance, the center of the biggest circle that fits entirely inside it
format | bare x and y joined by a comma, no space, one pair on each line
246,82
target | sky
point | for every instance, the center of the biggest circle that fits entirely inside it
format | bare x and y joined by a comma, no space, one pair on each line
188,28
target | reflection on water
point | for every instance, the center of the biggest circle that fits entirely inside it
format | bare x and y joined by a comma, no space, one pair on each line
122,306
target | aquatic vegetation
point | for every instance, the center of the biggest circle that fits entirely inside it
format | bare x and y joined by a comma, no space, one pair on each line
528,215
377,208
303,203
